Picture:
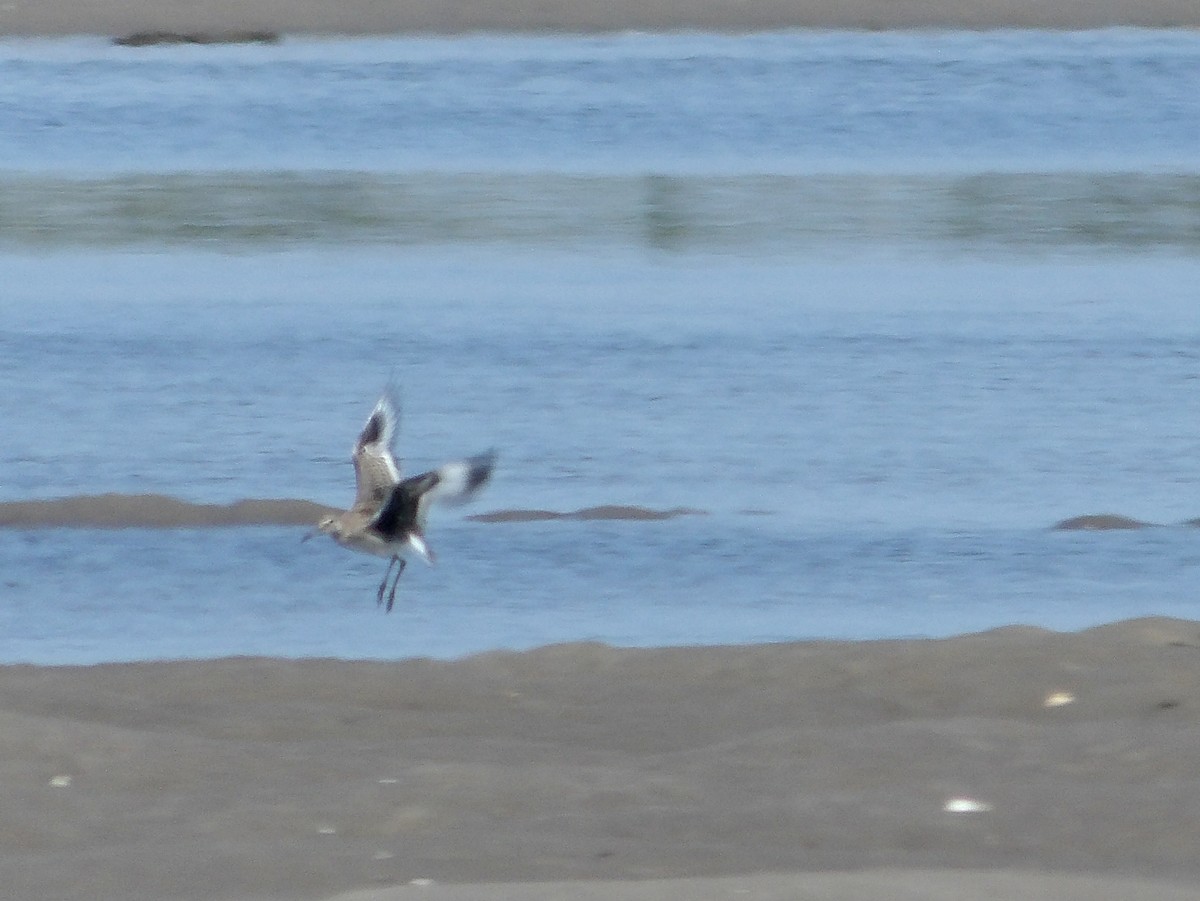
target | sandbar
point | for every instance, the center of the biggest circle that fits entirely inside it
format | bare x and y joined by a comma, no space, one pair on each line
203,19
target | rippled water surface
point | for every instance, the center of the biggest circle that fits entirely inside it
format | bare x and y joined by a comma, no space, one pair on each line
884,307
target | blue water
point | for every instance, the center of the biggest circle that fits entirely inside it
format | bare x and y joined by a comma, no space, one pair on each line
780,103
885,307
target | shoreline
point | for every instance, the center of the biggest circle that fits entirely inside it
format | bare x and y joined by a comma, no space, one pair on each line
214,18
1038,763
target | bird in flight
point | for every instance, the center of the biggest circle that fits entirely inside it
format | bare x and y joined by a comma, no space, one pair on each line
388,515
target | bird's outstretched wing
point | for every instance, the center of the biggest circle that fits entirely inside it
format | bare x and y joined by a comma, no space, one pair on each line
408,503
376,472
460,481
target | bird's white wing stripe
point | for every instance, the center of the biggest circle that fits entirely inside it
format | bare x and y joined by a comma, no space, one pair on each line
381,445
460,480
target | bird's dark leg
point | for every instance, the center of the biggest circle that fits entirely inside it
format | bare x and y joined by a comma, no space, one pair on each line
395,581
383,584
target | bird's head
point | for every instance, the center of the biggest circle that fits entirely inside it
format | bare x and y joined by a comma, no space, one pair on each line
329,525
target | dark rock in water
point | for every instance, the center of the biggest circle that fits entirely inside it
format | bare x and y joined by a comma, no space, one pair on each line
158,38
1099,522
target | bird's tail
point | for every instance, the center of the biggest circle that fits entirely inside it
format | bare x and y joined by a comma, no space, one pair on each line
417,542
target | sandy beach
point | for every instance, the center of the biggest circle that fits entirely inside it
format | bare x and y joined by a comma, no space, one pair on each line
124,17
1016,763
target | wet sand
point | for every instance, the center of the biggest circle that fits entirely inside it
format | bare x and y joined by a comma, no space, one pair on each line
231,17
1017,763
159,511
155,511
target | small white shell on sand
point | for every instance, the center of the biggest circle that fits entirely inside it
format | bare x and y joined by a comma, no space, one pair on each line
61,781
1058,699
966,805
326,830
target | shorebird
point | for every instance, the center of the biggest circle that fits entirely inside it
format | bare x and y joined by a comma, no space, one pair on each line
388,515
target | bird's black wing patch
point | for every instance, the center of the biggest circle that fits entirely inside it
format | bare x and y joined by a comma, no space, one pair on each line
372,431
479,470
400,510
